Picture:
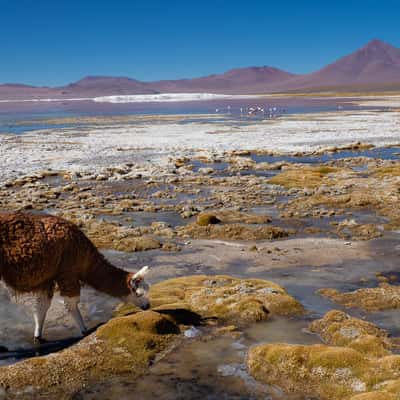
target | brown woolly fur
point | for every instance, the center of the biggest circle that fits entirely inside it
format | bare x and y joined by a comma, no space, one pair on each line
39,251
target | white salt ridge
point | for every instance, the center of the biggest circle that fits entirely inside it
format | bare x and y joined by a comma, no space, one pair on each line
153,143
167,97
43,100
140,98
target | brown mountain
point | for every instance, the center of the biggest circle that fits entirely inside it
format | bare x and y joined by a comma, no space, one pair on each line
374,66
17,91
376,63
239,80
92,86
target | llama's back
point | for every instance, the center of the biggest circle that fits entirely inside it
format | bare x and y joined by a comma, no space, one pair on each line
34,247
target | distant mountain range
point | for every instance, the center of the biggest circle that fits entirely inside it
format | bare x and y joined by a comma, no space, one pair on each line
374,66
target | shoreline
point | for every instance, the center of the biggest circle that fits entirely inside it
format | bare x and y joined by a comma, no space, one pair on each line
92,148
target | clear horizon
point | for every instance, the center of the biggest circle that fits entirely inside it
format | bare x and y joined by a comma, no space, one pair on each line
54,43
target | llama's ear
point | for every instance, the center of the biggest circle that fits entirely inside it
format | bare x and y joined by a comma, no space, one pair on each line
141,273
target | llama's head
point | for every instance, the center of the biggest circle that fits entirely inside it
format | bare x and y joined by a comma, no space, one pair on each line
138,288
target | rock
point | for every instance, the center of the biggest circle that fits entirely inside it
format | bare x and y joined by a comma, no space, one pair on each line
205,171
180,162
205,219
107,235
240,163
101,177
187,214
358,231
170,246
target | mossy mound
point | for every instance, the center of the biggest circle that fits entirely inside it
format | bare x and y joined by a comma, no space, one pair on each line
107,235
232,232
332,373
206,219
340,329
123,345
359,232
226,298
384,297
238,217
390,170
304,177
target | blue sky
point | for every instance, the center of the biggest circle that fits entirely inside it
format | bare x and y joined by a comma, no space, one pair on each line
53,42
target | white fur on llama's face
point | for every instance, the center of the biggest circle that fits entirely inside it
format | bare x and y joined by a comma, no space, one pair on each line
139,289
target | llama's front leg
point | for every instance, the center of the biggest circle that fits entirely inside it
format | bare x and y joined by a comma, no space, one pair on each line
71,304
40,305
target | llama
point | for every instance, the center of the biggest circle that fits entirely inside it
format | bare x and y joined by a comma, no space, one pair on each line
38,252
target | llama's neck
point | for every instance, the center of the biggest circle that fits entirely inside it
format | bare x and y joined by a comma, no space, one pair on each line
106,278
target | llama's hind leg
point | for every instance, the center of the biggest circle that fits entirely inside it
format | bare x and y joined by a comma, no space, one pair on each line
71,304
70,292
40,305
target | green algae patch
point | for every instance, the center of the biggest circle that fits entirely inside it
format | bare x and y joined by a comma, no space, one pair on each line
383,297
391,170
123,345
340,329
375,396
304,177
226,298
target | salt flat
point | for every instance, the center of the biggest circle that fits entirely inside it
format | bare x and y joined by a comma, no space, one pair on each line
92,147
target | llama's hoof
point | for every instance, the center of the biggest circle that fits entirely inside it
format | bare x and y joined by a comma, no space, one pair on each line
38,340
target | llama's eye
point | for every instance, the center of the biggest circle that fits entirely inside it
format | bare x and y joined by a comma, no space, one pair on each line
137,282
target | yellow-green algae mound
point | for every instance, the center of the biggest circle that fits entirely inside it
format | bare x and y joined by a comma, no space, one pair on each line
332,373
123,345
304,177
340,329
383,297
232,232
358,367
206,219
375,396
226,298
